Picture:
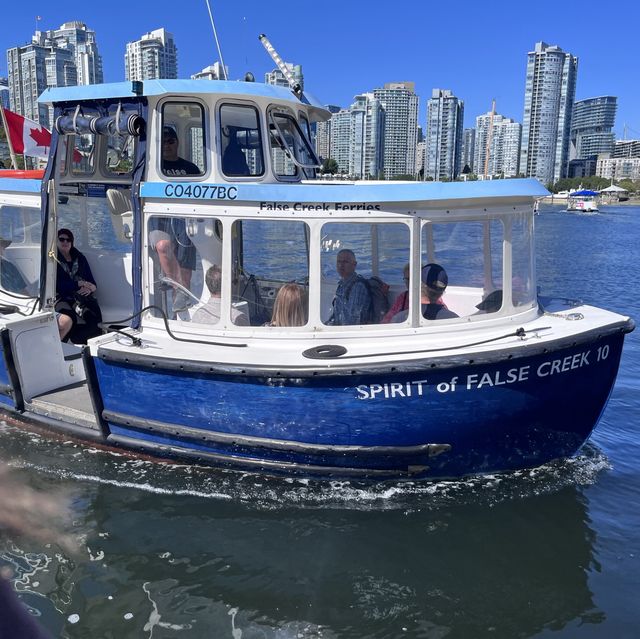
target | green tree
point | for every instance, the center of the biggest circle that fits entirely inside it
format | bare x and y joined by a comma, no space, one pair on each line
329,166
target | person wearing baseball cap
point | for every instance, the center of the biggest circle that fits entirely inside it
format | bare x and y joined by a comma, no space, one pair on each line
434,283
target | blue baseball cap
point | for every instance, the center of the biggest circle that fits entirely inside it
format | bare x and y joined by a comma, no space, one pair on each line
435,277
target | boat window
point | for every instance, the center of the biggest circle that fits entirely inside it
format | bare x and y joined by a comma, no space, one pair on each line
185,258
306,129
470,254
120,153
61,157
182,140
84,209
240,140
523,287
83,154
290,148
377,250
271,271
20,234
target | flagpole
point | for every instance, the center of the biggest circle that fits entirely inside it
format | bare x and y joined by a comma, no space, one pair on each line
8,136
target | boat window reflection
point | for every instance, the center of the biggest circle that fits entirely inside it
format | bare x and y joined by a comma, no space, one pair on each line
83,154
380,252
241,142
20,233
267,254
471,253
182,147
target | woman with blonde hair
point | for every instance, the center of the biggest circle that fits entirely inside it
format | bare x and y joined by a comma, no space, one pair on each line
290,307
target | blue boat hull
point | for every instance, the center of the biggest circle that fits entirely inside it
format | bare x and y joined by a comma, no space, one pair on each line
452,418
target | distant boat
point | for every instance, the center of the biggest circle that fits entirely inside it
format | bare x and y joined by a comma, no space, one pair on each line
585,201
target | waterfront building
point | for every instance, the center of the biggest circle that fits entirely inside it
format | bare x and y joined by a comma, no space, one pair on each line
57,58
212,72
277,77
468,151
502,137
592,131
548,105
618,168
152,57
445,115
626,149
400,104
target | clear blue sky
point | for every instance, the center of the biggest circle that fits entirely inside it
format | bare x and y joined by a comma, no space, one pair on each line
478,50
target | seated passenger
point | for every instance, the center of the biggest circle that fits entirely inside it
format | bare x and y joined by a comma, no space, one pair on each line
75,289
290,307
401,303
352,302
211,311
172,164
434,281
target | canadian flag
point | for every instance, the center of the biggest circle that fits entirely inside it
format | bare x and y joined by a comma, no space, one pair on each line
27,137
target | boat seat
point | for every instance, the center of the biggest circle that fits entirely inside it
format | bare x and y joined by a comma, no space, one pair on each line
121,214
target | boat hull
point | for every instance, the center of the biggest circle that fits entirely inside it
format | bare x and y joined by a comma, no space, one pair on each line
448,418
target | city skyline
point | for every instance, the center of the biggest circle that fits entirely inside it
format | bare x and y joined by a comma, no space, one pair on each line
479,59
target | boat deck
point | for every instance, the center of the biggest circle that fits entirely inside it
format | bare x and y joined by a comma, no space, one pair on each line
71,404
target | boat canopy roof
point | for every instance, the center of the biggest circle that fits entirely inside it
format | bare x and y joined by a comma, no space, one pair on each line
148,88
584,193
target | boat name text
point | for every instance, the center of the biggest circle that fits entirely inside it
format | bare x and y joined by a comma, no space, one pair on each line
323,206
475,381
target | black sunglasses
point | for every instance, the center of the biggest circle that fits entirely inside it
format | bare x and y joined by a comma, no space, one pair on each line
64,238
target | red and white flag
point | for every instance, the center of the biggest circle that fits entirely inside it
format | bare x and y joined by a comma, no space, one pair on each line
27,137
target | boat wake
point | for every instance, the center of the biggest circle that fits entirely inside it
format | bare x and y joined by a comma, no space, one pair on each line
74,463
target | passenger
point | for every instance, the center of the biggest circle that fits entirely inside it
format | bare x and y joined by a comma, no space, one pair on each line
234,161
75,289
172,164
352,302
401,302
211,311
290,307
434,280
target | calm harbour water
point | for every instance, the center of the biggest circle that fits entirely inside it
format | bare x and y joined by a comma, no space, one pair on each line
171,551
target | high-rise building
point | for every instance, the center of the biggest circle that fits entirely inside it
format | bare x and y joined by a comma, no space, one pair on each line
592,126
154,56
61,57
548,104
277,77
497,146
323,134
468,151
445,115
4,92
212,72
81,41
400,104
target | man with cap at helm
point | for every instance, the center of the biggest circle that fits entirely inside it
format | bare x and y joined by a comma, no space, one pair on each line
172,164
434,282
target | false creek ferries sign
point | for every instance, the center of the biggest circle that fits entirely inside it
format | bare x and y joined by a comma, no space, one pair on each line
261,195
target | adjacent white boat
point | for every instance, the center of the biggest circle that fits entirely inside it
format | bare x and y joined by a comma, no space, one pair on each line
506,381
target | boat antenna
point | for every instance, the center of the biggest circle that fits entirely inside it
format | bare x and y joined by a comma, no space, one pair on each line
293,85
215,35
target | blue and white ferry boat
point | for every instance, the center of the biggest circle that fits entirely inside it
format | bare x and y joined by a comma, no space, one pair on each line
190,248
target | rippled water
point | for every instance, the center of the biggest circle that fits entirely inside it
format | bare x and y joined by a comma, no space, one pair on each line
167,550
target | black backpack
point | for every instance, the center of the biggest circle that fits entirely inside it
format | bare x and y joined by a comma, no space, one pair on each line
378,300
